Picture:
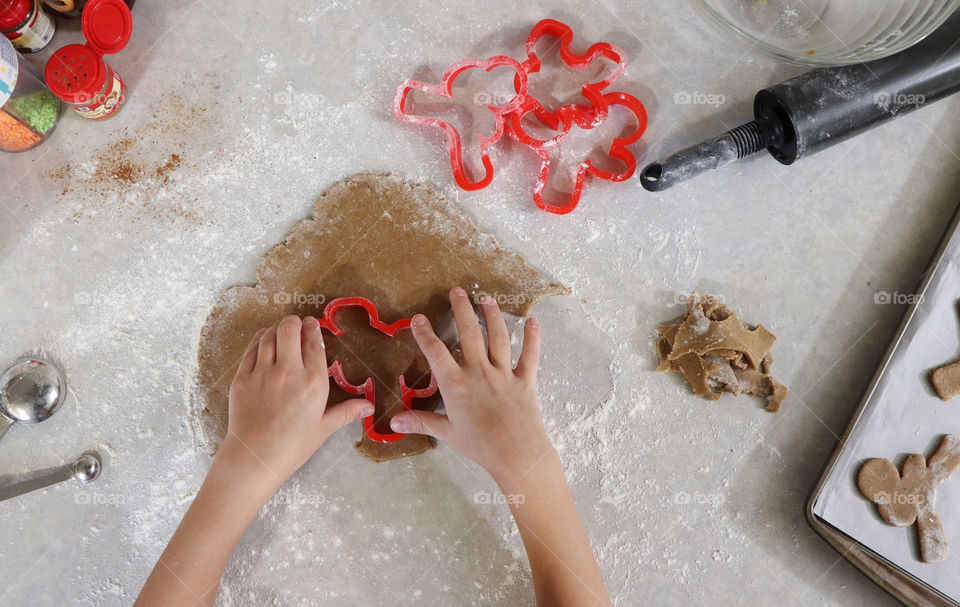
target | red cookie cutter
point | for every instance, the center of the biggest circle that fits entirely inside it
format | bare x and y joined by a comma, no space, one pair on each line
618,149
509,117
367,389
445,89
585,116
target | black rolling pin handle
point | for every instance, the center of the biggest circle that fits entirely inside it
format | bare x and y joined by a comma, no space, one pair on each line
764,132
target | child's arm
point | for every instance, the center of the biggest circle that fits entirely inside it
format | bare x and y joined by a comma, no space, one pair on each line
493,417
276,422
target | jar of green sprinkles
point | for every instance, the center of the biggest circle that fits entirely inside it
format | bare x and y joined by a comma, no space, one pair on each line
28,110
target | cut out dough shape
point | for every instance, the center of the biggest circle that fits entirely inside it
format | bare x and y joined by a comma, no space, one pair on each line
716,352
946,379
403,247
910,495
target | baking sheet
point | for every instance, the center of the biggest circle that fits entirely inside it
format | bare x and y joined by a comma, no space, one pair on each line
904,415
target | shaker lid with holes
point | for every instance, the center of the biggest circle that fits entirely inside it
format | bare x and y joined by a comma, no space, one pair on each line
107,25
76,72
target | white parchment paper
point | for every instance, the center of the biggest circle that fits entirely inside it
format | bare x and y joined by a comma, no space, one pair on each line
904,415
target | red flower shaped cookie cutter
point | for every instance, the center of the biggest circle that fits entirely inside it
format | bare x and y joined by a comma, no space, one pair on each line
368,389
445,89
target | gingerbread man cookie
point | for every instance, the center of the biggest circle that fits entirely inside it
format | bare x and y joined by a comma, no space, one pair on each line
909,496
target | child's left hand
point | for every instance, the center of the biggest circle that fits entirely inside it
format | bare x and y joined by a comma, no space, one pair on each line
278,398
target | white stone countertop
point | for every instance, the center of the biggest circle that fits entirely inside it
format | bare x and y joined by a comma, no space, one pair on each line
112,254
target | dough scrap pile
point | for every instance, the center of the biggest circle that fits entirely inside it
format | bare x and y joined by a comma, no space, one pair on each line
716,352
909,496
400,245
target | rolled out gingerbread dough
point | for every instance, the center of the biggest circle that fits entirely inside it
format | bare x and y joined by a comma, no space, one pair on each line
400,245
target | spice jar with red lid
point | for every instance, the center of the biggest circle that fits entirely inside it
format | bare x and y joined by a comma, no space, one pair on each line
78,74
27,24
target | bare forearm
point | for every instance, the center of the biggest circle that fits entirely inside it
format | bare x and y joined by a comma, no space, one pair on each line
189,570
277,421
565,571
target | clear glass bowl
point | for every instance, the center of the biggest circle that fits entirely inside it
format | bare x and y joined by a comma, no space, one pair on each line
826,32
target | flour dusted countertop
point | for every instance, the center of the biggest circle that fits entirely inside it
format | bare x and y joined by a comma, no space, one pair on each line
117,238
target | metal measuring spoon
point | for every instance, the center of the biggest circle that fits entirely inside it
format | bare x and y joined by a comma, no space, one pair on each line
86,468
31,390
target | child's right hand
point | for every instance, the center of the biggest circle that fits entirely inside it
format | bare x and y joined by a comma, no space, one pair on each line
493,416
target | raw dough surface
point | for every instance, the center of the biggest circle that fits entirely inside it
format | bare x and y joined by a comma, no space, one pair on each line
400,245
716,352
909,496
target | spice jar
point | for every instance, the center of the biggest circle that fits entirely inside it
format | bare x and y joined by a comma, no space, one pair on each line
71,8
78,74
28,110
26,24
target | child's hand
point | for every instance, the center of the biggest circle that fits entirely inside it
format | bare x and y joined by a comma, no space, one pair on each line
277,420
278,398
493,416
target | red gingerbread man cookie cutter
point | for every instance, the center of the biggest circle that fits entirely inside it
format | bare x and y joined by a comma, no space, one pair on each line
565,118
585,116
509,116
454,142
368,388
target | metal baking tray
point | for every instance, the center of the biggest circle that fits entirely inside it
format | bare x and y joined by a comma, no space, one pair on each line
900,583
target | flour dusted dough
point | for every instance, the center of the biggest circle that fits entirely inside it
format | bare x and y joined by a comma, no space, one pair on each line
716,352
400,245
910,495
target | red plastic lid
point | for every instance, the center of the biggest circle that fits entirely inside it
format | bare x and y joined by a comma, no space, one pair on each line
75,73
107,25
13,13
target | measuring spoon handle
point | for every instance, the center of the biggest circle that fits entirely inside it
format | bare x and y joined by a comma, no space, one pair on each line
84,469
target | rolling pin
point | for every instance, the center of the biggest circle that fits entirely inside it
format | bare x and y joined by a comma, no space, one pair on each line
823,107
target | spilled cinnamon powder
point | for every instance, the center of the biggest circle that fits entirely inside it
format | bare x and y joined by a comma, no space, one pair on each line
170,165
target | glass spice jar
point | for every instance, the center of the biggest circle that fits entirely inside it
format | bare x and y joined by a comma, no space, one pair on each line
28,110
78,74
26,24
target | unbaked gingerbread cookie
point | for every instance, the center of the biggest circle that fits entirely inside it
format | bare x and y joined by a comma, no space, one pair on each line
909,496
946,379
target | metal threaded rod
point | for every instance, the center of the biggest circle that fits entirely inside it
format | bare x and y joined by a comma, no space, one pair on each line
748,138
